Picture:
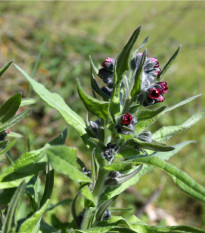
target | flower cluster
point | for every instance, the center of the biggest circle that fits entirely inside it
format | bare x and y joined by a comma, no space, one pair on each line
151,91
107,75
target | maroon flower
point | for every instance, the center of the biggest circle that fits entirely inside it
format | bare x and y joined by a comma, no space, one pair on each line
126,119
158,72
163,87
154,93
107,60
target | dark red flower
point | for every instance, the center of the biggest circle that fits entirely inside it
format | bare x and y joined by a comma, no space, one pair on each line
126,119
154,93
158,72
163,87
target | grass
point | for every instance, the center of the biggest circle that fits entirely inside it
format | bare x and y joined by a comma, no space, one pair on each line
77,29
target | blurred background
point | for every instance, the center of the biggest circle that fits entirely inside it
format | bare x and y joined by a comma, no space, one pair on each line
75,30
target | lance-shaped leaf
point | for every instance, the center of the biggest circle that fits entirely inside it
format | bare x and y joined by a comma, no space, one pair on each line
98,108
8,147
9,109
63,160
152,116
112,191
167,132
122,62
22,169
48,186
183,180
32,224
103,207
138,76
144,42
15,120
86,192
5,68
166,67
10,220
146,114
60,139
57,102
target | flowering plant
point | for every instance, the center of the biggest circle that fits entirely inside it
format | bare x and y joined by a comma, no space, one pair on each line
121,145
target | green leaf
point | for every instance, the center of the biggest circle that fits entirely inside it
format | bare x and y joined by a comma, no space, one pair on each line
166,132
6,195
9,109
48,186
183,180
3,144
122,62
152,116
27,101
8,147
66,201
15,120
86,192
32,224
5,68
22,169
10,220
56,101
169,63
144,42
98,108
63,160
138,76
146,114
113,191
60,139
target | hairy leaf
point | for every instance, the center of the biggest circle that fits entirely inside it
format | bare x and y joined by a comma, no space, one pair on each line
57,102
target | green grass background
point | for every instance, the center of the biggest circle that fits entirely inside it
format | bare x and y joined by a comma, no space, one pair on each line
75,30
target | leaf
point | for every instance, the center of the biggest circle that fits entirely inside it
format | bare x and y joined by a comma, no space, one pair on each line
103,207
144,42
183,180
166,132
5,68
9,109
98,108
48,186
113,191
169,63
3,144
8,147
56,101
60,139
63,160
15,120
146,114
122,62
24,167
27,101
63,202
138,76
10,220
143,124
6,195
32,224
92,65
86,192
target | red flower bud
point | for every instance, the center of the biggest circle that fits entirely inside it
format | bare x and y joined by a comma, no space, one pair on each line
158,71
154,93
154,59
107,60
161,98
164,88
126,119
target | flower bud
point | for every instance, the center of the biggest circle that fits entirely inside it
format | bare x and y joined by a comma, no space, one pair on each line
107,215
145,136
126,119
110,151
4,134
86,171
163,87
109,64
